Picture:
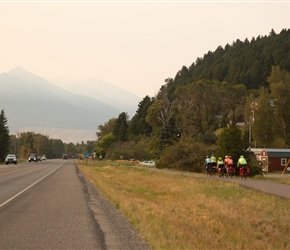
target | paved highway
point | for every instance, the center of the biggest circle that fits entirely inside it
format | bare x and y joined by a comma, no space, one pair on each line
50,205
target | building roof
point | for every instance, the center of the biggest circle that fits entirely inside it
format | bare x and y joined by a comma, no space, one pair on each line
273,152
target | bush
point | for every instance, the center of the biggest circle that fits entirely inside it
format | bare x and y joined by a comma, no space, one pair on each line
255,166
187,155
130,150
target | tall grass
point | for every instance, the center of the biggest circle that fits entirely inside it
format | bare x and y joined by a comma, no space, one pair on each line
178,212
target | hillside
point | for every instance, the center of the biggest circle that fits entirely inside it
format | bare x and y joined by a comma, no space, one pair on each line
103,92
218,105
243,62
29,101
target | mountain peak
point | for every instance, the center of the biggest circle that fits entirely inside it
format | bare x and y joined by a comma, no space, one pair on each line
17,69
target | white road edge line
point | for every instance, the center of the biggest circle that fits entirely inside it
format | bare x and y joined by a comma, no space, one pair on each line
1,205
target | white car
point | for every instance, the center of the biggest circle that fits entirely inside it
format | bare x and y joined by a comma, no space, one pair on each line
147,163
11,158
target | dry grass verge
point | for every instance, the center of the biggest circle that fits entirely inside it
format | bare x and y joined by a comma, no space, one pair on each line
177,212
276,178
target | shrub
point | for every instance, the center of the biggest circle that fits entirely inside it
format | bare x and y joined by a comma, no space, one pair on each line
187,155
256,168
130,150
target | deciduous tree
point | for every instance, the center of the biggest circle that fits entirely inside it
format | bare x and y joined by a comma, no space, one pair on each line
280,88
263,120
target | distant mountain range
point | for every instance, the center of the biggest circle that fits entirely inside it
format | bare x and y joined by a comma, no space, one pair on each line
103,92
32,103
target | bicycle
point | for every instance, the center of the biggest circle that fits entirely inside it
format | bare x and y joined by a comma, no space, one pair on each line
210,170
207,168
244,172
222,171
213,168
231,171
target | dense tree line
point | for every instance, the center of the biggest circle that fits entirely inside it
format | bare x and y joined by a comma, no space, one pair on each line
229,100
24,143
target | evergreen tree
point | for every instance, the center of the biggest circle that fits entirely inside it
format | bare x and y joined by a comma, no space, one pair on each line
4,136
232,142
170,134
121,127
138,124
247,63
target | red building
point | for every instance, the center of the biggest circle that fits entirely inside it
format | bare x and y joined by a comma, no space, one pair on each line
273,159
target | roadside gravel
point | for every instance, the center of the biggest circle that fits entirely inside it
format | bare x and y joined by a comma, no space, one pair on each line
118,232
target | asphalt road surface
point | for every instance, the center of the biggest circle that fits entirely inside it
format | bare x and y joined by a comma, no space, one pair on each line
50,205
277,189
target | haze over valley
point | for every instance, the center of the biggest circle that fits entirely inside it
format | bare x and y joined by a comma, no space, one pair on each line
32,103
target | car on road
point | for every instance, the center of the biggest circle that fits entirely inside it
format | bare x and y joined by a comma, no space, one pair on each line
64,156
11,158
147,163
43,158
33,157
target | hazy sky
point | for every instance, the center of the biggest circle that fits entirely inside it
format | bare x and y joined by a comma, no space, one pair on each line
133,45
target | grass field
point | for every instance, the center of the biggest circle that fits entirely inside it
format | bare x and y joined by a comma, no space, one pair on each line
276,178
178,212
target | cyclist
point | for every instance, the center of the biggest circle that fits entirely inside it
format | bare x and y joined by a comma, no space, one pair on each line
229,163
213,161
226,161
207,164
242,163
221,166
